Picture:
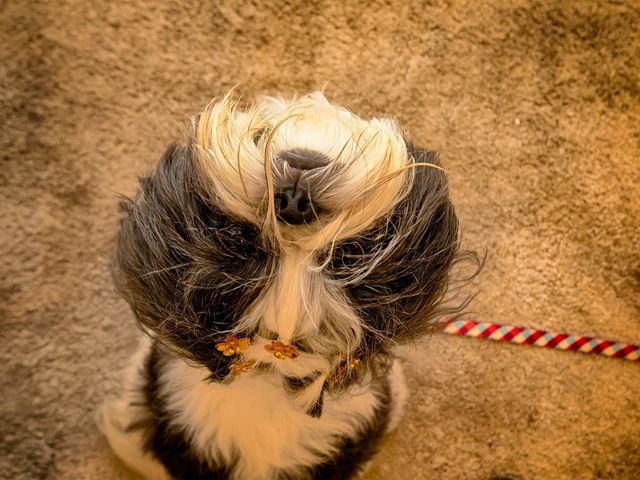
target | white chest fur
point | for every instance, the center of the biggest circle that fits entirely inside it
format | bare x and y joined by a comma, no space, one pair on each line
255,421
252,420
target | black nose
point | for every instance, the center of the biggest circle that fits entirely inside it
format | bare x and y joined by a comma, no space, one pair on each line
293,205
293,202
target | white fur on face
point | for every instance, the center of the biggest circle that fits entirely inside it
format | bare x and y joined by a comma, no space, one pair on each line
300,304
366,177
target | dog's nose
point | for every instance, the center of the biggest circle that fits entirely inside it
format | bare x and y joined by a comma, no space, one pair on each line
293,202
293,205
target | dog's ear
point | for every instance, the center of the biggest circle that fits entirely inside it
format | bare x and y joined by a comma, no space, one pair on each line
407,257
182,263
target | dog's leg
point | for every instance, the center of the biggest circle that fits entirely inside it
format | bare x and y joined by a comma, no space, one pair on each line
399,394
117,417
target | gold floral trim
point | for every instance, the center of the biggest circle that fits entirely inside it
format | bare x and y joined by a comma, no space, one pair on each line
233,345
242,367
281,350
341,372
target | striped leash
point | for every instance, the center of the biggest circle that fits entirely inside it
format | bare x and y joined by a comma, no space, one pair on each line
542,338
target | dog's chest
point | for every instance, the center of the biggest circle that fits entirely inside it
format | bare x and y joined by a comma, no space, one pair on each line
254,415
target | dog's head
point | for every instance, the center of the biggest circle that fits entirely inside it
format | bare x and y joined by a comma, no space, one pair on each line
291,221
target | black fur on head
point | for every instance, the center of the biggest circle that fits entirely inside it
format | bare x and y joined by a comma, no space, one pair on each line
397,273
187,269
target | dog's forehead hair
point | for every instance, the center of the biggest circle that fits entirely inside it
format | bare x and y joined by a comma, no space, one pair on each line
366,172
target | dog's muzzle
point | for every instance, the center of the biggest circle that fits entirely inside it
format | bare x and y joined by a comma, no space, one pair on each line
293,201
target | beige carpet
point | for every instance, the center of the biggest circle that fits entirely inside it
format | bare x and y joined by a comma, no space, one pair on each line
535,110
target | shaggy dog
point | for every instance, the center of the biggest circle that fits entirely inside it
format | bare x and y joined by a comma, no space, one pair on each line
274,261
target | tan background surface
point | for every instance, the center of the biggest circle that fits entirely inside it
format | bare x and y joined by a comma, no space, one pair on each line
535,110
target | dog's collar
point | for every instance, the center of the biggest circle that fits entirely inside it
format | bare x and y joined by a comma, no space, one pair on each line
233,346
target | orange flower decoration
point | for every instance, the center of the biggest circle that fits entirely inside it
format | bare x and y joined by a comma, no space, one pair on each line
233,345
281,350
242,367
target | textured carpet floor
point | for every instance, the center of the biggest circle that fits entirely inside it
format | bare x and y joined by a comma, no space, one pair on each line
535,110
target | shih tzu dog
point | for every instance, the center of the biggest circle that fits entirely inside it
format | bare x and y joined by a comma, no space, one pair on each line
274,261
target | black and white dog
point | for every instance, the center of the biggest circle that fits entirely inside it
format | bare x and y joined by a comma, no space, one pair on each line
275,260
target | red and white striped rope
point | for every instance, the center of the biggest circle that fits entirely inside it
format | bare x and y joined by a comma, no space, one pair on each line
542,338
